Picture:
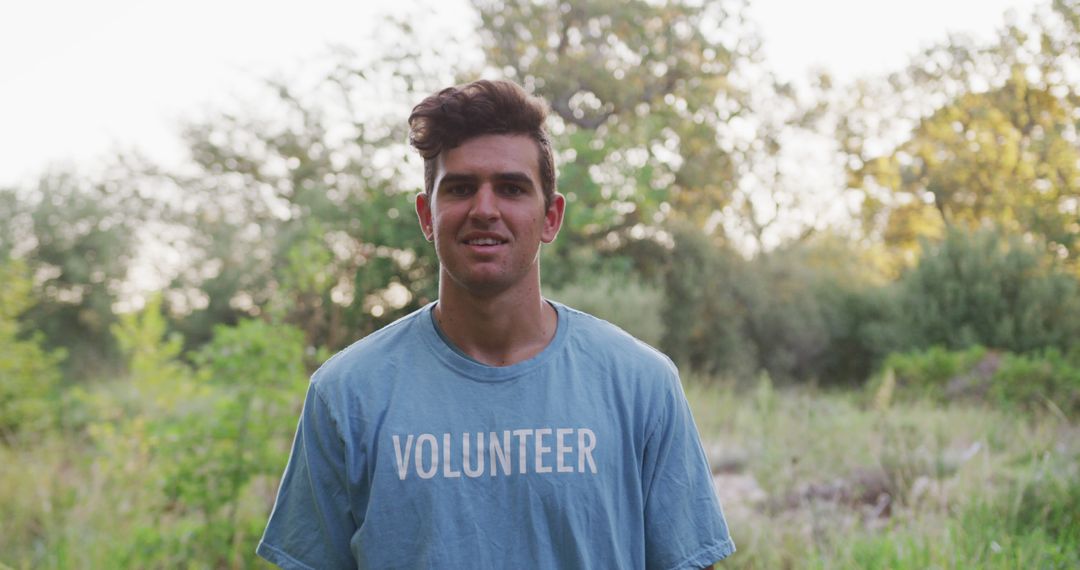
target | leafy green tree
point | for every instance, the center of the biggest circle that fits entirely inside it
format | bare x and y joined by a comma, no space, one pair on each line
304,209
706,306
154,357
971,134
308,216
984,289
216,445
643,94
29,374
78,239
1008,156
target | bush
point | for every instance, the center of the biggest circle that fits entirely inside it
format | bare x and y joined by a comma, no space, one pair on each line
1033,381
817,314
810,311
29,374
1039,380
983,289
623,300
706,305
858,320
926,373
254,376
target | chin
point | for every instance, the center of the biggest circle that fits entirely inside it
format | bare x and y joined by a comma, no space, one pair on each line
481,285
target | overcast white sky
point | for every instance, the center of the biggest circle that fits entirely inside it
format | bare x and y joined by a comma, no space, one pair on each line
80,79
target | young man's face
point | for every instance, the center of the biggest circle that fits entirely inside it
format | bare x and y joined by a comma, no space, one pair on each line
486,214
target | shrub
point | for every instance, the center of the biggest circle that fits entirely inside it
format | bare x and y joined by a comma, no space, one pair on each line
255,375
818,314
926,373
706,304
623,300
810,311
983,289
1034,381
1048,378
857,319
29,374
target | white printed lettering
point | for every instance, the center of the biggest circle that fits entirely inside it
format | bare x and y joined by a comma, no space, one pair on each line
465,455
585,449
561,449
500,452
427,455
523,441
402,457
447,471
420,441
542,449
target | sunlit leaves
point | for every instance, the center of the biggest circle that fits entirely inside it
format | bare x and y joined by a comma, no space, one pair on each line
28,373
973,135
641,93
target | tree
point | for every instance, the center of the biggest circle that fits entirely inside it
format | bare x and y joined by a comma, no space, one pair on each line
643,94
77,238
305,212
986,289
29,373
972,135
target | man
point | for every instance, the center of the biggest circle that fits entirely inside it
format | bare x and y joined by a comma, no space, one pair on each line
494,428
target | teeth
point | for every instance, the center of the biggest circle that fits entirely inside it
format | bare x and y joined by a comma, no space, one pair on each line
484,241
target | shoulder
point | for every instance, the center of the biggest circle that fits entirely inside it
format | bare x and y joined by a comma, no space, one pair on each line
612,347
372,356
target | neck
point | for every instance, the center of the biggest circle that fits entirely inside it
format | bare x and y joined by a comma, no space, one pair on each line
497,330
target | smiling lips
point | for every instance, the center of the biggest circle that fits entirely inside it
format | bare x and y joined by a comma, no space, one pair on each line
484,240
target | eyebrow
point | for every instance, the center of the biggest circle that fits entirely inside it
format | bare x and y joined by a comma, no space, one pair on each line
516,177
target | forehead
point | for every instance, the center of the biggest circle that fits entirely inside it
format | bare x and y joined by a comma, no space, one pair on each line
490,154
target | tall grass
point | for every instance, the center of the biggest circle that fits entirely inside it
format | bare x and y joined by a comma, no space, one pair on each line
963,486
967,486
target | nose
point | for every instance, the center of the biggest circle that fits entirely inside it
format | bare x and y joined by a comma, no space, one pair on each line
485,203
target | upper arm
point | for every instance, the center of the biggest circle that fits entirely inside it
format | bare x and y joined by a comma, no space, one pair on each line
312,523
684,523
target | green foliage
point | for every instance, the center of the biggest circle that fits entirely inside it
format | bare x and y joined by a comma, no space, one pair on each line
153,355
969,487
205,441
636,88
858,319
816,314
641,94
805,312
1039,380
222,442
307,223
76,237
1047,380
1049,502
925,373
29,374
705,308
621,299
978,288
1032,523
989,137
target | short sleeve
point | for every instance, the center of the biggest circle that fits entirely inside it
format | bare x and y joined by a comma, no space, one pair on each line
684,523
311,524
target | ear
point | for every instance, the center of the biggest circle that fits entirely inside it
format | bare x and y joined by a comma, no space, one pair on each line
553,218
423,212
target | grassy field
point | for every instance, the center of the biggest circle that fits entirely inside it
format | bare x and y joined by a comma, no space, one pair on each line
809,479
843,480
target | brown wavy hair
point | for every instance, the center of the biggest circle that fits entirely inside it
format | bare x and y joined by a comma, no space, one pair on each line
448,118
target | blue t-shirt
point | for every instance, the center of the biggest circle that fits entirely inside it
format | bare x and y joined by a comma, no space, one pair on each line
411,455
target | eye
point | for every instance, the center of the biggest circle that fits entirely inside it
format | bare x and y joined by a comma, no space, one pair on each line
512,190
458,189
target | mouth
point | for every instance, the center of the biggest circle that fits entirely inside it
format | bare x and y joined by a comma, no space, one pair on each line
484,241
